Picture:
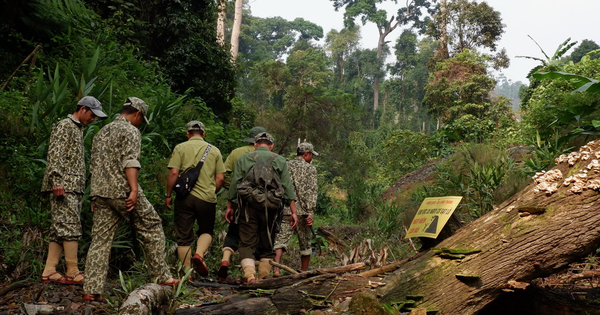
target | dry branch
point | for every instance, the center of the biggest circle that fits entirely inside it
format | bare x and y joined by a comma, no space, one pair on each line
284,267
38,47
274,283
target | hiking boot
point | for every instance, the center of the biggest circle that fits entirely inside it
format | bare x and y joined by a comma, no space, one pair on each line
223,270
199,265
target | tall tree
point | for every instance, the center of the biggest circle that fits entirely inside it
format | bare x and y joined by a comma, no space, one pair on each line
272,38
467,24
236,29
222,9
341,44
458,93
368,11
443,27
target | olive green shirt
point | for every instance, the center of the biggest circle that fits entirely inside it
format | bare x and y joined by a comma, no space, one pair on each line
116,147
230,162
65,162
246,161
187,154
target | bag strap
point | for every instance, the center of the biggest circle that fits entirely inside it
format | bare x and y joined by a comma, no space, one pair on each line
206,152
199,165
271,159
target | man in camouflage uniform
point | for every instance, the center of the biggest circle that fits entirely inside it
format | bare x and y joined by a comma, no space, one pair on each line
255,225
232,239
304,179
65,178
115,192
200,205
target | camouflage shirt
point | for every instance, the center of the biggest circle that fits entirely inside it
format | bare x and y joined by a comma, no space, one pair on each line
116,147
304,179
65,162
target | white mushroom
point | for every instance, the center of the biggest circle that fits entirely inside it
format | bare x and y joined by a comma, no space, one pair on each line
594,184
563,158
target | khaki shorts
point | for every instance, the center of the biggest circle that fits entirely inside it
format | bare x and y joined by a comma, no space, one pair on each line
66,224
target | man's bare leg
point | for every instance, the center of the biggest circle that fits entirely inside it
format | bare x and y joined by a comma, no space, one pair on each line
278,254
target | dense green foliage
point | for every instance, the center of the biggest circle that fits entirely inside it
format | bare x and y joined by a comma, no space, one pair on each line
165,52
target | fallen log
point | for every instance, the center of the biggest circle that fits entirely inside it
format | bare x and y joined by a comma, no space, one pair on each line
274,283
514,247
314,292
145,299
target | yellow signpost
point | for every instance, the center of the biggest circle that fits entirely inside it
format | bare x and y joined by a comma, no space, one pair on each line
432,216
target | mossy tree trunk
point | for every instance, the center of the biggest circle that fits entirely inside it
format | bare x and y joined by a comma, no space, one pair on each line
514,247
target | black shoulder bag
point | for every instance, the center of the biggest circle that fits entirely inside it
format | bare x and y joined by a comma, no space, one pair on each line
187,180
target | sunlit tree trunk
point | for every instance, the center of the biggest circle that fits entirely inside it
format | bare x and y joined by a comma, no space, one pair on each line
221,22
443,52
235,31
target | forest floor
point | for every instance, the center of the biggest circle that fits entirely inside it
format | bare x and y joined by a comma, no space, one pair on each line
34,297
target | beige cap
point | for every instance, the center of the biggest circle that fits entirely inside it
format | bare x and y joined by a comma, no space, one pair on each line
139,105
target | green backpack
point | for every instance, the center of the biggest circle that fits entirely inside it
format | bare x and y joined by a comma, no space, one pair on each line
261,187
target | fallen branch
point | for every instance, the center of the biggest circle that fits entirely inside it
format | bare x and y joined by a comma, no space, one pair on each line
284,267
388,268
274,283
14,286
145,299
381,270
343,269
39,46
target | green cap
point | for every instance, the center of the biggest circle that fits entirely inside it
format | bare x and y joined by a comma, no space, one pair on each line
253,132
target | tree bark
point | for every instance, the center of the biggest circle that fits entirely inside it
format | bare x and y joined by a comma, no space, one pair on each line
236,29
443,52
144,299
221,22
514,247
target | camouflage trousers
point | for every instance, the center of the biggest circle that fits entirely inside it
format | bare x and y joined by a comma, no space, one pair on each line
66,224
285,235
107,215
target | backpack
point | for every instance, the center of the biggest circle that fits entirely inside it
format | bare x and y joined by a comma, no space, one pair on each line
187,180
261,187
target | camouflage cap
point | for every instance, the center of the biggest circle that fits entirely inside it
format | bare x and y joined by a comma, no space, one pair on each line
93,104
253,132
307,147
264,136
139,105
195,125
